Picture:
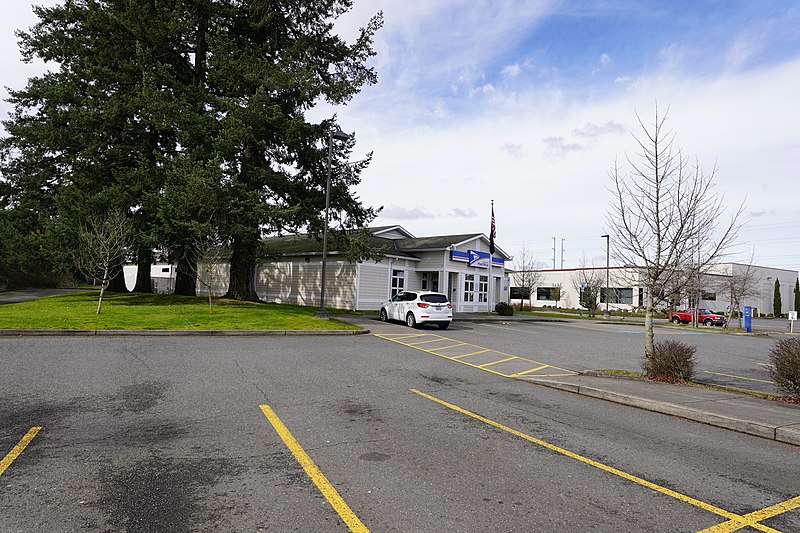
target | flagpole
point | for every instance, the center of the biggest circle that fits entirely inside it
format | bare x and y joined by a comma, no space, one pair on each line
491,253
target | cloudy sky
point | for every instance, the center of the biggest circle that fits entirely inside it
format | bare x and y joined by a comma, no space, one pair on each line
528,103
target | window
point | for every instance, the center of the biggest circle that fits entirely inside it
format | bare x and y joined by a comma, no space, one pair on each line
398,281
544,293
483,289
165,269
520,293
469,287
434,298
430,281
710,296
617,295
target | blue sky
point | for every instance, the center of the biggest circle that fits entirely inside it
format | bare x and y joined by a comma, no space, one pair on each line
528,103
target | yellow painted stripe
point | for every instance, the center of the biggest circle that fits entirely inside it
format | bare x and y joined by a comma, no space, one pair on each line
319,479
531,370
470,354
498,362
738,377
451,346
643,482
752,519
440,339
18,449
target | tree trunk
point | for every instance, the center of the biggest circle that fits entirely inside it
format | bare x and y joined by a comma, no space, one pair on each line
242,285
185,282
144,261
649,335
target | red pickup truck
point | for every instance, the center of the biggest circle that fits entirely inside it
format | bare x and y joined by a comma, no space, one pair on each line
704,316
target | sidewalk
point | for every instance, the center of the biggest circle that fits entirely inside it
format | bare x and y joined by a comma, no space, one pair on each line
739,412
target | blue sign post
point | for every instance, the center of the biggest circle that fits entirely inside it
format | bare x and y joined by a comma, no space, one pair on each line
747,313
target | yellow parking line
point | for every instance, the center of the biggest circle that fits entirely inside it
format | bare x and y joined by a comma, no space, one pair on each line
18,449
753,519
470,354
425,342
611,470
498,362
319,479
531,370
451,346
738,377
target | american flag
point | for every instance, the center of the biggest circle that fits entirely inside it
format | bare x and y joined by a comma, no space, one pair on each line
492,232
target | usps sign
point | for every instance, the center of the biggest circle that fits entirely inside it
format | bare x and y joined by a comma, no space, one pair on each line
478,259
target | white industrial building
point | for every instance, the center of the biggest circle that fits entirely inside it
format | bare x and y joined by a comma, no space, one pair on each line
626,291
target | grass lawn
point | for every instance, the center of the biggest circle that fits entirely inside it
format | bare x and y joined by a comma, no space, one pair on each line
154,311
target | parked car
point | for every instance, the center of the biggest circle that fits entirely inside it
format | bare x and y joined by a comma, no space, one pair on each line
418,307
704,316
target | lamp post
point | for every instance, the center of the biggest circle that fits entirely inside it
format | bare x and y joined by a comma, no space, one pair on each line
341,136
608,257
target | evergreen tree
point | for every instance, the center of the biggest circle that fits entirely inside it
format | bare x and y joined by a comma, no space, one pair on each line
147,98
776,299
797,295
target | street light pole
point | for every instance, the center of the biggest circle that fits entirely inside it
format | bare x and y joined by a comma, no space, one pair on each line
608,258
342,136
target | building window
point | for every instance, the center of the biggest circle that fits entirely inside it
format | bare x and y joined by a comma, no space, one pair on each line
398,281
483,289
709,296
544,293
469,287
430,281
520,293
617,295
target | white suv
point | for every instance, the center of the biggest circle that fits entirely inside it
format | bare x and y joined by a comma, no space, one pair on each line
418,307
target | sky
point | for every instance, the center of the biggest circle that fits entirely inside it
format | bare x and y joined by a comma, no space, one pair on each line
529,102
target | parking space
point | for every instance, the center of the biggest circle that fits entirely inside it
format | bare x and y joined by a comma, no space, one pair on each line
488,359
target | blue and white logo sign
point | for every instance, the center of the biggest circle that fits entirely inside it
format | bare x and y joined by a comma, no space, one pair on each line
478,259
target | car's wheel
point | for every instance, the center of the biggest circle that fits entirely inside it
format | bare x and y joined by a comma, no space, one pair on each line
383,316
708,322
443,325
676,319
411,320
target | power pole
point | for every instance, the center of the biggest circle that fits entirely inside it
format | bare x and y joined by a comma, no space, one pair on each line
554,253
562,253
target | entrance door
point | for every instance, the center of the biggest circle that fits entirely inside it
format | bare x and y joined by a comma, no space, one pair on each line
453,289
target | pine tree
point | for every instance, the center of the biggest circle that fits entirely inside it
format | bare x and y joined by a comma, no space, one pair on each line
797,295
776,299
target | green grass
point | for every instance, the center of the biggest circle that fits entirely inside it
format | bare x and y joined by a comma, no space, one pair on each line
151,311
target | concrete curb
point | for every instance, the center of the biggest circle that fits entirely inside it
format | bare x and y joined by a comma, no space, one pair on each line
789,434
173,333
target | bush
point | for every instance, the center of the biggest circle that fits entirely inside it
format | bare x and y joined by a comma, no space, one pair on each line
672,361
504,309
785,370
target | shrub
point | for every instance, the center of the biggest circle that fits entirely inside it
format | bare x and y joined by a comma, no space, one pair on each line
504,309
785,370
672,361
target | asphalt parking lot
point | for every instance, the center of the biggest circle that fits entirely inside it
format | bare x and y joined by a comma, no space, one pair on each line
372,432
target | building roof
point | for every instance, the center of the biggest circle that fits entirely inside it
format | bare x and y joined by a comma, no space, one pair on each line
304,244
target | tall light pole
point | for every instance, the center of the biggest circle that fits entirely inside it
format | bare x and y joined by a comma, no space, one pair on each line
341,136
608,260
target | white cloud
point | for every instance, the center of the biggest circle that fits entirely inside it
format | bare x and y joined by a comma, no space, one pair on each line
512,71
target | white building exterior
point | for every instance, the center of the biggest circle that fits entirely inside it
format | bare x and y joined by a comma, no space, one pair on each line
627,292
456,265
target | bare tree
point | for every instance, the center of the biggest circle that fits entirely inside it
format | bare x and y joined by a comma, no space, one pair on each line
665,216
102,245
527,277
557,292
587,282
209,250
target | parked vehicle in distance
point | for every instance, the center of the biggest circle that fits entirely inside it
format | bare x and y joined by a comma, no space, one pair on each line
704,316
418,307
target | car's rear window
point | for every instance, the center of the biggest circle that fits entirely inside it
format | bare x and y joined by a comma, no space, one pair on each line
434,298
